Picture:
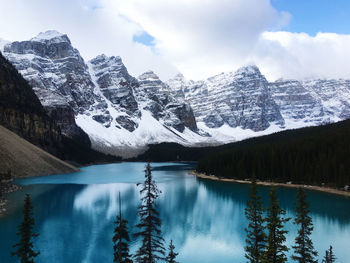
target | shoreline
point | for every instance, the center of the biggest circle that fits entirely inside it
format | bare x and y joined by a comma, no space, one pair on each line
264,183
6,188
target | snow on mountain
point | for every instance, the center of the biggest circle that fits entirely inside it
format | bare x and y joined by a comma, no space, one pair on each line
238,99
122,114
52,37
334,95
297,105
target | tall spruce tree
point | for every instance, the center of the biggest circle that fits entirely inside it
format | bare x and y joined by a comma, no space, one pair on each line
25,248
255,242
121,239
303,250
275,248
152,248
172,254
329,256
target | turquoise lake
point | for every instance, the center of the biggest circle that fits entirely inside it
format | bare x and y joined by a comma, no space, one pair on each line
74,215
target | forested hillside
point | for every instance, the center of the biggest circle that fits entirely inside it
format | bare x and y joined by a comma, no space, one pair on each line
315,155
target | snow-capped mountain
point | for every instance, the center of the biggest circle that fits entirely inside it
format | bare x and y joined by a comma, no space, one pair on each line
122,114
238,99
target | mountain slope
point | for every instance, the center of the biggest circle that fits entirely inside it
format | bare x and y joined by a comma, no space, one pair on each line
21,111
25,159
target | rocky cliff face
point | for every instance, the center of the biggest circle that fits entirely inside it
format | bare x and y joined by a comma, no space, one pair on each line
238,99
297,103
58,75
115,88
334,95
21,111
155,96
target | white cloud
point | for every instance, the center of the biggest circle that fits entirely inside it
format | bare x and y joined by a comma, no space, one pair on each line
93,27
204,37
197,37
299,55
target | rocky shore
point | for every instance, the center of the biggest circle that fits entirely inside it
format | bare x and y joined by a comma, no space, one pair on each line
288,184
6,187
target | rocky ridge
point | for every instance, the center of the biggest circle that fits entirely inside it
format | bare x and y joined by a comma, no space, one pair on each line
238,99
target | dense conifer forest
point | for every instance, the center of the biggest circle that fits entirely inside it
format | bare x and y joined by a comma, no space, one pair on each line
314,155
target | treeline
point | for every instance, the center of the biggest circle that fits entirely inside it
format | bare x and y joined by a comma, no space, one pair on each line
266,234
314,155
168,151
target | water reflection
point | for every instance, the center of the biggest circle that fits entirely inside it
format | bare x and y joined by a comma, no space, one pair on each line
204,218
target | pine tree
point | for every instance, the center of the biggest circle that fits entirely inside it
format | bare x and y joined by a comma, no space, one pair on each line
121,239
303,250
172,255
332,257
152,248
25,249
329,257
255,242
275,248
326,257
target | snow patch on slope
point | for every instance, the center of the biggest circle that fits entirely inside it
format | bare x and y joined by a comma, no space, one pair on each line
125,143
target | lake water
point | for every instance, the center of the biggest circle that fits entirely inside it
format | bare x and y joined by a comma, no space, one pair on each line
74,215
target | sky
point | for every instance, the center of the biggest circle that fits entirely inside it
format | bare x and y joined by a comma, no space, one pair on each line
199,38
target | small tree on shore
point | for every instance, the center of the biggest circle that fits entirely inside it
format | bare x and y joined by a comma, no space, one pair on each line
329,257
255,242
25,248
152,248
303,250
172,254
275,248
121,239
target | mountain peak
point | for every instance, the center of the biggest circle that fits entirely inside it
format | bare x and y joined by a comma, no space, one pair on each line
104,58
179,76
250,69
148,75
51,35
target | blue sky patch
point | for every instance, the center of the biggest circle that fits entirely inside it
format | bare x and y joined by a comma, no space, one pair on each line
313,16
144,38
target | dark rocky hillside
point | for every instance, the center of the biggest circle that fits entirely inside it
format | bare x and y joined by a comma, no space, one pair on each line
22,113
22,158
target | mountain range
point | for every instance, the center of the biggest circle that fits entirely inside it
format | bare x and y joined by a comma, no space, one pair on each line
99,101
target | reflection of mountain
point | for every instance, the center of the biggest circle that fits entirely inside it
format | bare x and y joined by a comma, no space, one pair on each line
204,218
